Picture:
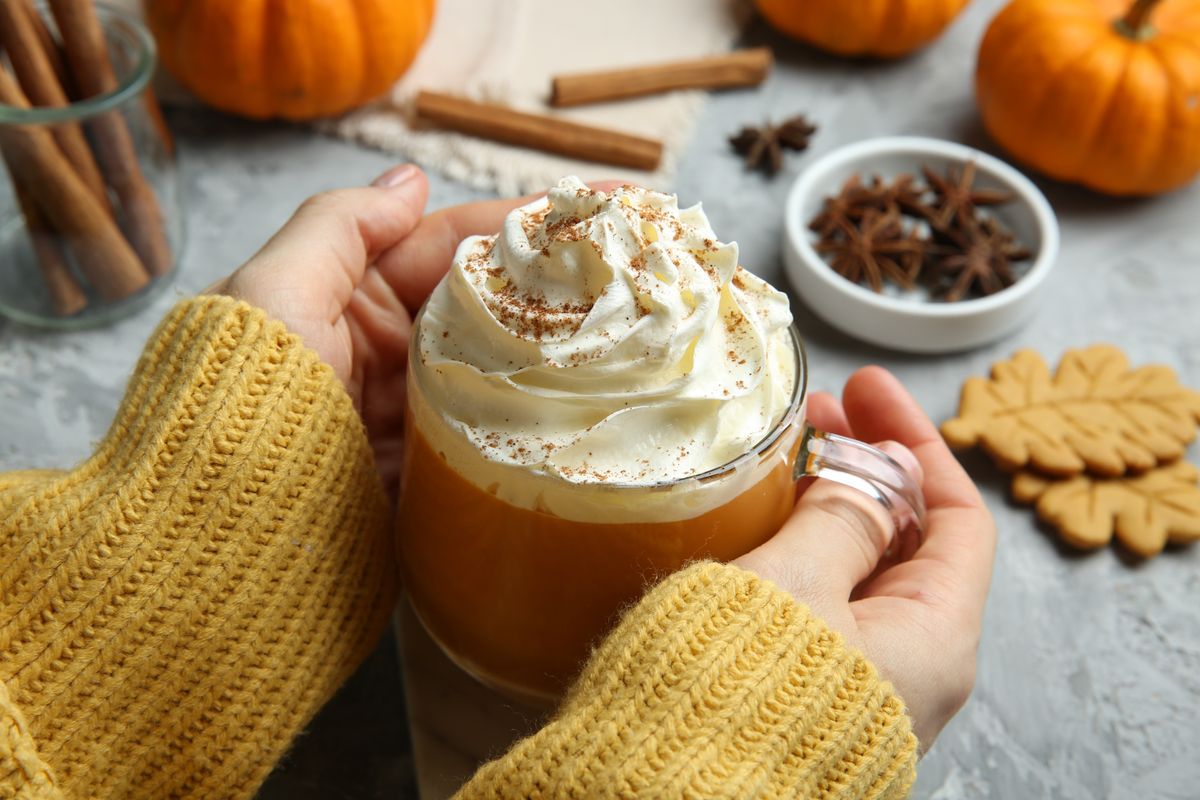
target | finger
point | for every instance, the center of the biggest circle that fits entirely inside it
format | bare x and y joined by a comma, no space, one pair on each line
414,266
960,535
825,413
320,255
905,458
832,541
880,408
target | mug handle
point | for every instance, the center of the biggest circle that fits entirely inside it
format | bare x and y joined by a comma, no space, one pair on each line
873,472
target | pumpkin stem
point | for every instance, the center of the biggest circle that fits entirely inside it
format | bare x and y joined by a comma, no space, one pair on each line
1136,22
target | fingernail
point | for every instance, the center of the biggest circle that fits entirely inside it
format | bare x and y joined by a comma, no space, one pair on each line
904,457
395,176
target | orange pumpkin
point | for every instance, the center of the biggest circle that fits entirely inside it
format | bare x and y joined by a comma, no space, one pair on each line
1100,92
296,59
884,28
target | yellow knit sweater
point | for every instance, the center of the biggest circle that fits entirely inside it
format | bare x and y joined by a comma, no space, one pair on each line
175,609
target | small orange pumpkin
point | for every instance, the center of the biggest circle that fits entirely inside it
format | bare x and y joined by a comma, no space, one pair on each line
1100,92
296,59
883,28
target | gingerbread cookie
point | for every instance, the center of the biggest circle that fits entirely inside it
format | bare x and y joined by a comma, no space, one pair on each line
1145,511
1095,414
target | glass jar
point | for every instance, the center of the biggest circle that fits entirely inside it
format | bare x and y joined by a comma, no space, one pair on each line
91,225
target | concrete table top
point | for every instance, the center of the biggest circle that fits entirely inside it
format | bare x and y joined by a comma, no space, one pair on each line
1089,671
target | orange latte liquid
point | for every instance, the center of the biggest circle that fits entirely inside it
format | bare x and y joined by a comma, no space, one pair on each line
519,596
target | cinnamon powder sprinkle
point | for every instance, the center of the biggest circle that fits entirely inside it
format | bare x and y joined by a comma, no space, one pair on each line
533,222
532,317
565,229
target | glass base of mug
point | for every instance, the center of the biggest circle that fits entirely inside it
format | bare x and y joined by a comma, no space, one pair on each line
531,698
455,723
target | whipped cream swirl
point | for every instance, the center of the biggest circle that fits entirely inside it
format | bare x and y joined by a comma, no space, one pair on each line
606,338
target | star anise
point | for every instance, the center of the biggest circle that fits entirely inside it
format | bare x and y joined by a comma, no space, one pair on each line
763,147
841,209
876,248
903,195
956,197
983,265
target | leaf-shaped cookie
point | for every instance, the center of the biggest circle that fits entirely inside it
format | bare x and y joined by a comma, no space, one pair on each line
1095,413
1146,511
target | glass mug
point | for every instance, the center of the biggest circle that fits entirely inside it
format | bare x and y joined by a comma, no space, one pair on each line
518,596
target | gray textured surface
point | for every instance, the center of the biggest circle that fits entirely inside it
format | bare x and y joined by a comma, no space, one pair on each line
1089,676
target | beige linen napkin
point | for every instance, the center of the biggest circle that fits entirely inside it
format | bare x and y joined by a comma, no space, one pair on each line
506,51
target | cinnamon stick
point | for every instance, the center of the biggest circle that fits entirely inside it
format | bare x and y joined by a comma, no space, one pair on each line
106,259
87,57
550,134
739,68
66,294
36,74
49,45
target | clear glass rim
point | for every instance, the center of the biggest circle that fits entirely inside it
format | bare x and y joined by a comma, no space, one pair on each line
785,423
112,19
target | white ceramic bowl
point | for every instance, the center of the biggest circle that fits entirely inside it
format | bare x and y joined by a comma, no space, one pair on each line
913,321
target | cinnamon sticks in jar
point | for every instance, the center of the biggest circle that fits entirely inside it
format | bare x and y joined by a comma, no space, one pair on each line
78,180
41,170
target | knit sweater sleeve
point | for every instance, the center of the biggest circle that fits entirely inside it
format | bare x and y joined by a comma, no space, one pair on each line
177,607
717,684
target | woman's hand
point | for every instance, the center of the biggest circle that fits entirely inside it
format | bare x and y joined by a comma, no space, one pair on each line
348,272
919,620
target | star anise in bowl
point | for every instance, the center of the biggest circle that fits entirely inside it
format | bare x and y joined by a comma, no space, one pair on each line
978,253
904,232
982,266
874,250
956,199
